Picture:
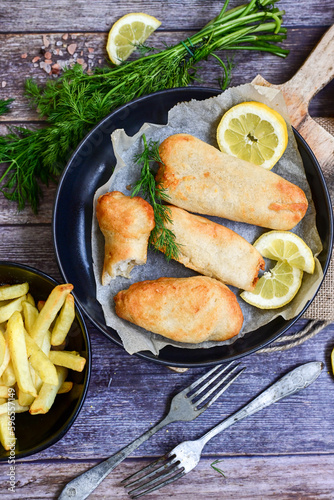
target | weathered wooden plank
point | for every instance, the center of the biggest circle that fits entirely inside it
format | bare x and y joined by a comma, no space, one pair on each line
100,15
281,478
15,69
127,395
31,245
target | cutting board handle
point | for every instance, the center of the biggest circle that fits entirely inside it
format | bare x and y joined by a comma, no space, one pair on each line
316,72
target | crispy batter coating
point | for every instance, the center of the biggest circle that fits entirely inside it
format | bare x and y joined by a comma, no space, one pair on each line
126,224
202,179
190,310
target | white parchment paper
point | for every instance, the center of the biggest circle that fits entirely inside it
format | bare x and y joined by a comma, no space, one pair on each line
200,118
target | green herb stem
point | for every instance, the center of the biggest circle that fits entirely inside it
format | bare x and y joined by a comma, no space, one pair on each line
76,102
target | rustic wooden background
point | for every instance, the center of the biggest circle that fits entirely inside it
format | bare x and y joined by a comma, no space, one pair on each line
286,451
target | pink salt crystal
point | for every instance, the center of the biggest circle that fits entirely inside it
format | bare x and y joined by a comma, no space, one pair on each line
71,48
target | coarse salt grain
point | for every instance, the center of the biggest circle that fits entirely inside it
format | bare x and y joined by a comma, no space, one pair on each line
48,55
71,48
3,84
24,56
35,59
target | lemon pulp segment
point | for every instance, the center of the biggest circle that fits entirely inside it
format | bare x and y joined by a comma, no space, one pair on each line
286,246
275,288
253,132
127,33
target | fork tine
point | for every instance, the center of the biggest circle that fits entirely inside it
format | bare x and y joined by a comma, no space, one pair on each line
222,390
160,485
211,380
130,479
155,476
205,376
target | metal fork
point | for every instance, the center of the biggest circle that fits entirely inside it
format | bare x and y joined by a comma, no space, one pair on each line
184,457
185,406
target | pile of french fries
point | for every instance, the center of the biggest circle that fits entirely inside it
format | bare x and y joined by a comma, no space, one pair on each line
33,362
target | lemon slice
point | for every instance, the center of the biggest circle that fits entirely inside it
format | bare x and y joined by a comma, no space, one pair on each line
128,32
276,287
286,246
253,132
332,360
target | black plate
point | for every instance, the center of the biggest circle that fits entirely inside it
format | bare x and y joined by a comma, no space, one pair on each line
91,166
35,433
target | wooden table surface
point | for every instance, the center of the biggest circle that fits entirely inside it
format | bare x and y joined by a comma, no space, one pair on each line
287,450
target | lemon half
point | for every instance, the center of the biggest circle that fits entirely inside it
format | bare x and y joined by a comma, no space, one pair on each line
286,246
128,32
253,132
275,288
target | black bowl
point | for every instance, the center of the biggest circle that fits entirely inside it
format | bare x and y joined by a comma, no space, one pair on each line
90,167
34,433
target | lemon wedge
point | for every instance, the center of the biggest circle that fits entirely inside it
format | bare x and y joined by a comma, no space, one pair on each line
253,132
128,32
276,287
286,246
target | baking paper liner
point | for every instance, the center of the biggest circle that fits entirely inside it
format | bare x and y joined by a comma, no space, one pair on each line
200,118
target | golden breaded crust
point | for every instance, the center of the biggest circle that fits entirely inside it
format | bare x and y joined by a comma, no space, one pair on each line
126,224
190,310
202,179
214,250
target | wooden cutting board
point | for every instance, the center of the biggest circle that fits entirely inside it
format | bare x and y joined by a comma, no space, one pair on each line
315,73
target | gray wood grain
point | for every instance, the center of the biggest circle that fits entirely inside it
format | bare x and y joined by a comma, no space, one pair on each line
15,69
246,478
284,452
101,14
123,402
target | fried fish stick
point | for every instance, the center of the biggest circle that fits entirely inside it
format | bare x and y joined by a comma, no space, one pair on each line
190,310
200,178
126,223
214,250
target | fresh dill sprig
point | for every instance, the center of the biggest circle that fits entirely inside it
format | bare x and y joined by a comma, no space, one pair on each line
217,469
161,237
75,102
4,105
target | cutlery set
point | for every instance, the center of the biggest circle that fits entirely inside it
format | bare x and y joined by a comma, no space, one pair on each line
186,406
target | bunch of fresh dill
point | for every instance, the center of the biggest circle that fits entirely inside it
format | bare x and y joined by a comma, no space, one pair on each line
75,102
161,237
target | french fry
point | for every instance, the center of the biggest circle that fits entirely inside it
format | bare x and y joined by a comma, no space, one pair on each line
24,399
68,359
8,292
8,377
40,305
2,401
7,437
51,307
3,348
6,358
48,393
63,322
7,310
18,353
65,387
30,314
31,299
40,362
12,406
4,393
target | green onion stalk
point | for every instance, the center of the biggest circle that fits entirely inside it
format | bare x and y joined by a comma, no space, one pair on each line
76,101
